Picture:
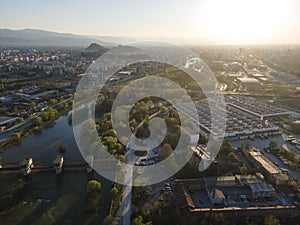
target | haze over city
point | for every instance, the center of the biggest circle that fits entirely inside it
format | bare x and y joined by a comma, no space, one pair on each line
193,22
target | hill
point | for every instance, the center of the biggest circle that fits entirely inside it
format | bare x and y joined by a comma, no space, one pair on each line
34,37
94,47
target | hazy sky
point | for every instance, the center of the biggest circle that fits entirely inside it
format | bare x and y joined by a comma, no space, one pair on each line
203,21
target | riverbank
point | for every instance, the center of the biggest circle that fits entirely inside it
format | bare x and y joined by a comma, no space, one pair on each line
33,129
47,192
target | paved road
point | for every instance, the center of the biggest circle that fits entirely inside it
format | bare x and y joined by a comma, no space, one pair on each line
17,128
130,159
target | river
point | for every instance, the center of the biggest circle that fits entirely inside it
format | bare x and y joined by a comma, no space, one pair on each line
62,195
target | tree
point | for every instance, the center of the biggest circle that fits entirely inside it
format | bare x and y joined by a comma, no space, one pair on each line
114,192
177,128
165,151
139,221
36,129
93,186
110,142
226,146
149,104
32,105
133,124
19,120
36,121
273,144
163,109
231,156
16,136
270,220
53,101
62,148
93,190
51,112
243,170
65,106
173,138
45,116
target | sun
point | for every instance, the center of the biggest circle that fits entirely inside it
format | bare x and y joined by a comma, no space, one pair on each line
244,21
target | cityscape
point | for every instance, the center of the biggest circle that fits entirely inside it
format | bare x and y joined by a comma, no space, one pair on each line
107,127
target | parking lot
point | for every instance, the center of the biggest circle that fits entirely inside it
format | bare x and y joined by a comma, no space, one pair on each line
255,107
238,123
150,159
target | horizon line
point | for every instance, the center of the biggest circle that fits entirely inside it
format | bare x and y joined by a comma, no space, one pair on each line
177,40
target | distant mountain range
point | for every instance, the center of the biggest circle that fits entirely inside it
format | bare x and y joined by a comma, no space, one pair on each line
34,37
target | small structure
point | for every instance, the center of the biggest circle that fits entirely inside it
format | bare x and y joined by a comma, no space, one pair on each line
58,163
248,82
26,166
259,189
192,135
217,197
90,163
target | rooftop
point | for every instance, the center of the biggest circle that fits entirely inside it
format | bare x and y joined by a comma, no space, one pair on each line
265,162
255,107
247,80
221,181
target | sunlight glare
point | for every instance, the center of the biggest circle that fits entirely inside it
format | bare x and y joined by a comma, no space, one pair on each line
245,20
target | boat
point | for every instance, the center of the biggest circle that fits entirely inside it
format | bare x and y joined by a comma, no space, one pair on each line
26,166
58,163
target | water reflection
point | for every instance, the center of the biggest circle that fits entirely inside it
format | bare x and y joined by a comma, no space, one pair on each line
62,197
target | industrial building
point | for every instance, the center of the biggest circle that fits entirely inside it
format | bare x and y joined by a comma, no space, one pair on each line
248,82
244,195
272,172
224,190
239,123
256,108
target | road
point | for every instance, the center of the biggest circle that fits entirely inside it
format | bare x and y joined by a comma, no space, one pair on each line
130,159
